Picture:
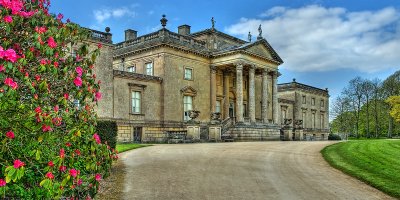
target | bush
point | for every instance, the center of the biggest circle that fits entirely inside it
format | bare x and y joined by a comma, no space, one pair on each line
108,132
49,148
334,137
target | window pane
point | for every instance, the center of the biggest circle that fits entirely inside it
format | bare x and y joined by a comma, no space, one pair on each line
136,102
149,68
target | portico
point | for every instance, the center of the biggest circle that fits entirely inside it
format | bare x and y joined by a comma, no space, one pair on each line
239,78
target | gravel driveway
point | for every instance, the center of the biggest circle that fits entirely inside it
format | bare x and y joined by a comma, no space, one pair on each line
240,170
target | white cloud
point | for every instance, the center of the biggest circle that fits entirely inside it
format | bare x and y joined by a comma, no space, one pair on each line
315,38
105,14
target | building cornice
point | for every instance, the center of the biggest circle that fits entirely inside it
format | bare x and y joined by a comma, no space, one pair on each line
136,76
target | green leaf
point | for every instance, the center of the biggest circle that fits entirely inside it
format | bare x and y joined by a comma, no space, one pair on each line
38,155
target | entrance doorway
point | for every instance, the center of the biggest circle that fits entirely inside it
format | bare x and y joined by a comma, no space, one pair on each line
231,109
137,134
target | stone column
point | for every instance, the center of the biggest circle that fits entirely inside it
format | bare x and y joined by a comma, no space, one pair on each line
275,97
239,93
213,88
252,100
264,102
226,94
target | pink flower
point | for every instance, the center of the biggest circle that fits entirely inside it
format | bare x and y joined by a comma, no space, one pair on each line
50,163
79,182
66,96
43,61
2,68
38,110
10,55
79,71
57,121
56,64
10,134
8,19
18,164
97,138
63,168
49,175
73,172
52,44
78,152
56,108
14,5
78,81
62,153
2,182
46,128
40,30
10,82
60,16
97,96
99,45
97,177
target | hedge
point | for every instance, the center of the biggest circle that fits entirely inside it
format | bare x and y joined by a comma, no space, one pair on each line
108,131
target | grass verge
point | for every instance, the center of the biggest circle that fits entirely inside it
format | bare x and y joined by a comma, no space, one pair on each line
376,162
129,146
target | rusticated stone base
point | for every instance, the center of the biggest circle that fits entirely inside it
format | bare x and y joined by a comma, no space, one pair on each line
255,132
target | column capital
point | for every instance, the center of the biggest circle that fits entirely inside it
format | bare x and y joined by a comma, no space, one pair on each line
252,67
239,66
265,71
239,63
213,68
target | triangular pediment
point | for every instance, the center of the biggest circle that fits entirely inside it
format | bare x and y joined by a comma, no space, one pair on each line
262,48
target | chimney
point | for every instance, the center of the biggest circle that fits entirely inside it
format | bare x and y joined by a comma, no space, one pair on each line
184,29
130,34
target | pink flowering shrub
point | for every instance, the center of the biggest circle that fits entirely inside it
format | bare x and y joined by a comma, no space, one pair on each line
49,145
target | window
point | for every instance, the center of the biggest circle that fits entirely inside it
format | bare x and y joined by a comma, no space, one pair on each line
188,74
219,79
313,120
245,84
187,106
283,114
136,102
322,103
131,69
304,119
122,66
304,99
313,101
218,107
149,69
322,121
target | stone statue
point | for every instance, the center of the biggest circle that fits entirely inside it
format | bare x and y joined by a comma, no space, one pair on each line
249,37
259,32
212,22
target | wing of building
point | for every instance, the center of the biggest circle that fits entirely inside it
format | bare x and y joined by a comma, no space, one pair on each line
206,85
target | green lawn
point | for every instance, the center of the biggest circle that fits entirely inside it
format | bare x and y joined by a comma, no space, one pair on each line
126,147
376,162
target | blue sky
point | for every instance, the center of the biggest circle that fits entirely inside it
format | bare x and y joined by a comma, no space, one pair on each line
324,43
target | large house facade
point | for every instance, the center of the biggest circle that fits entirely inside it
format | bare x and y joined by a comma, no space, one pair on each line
205,85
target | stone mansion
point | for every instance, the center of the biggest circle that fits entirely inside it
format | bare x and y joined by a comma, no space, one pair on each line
205,85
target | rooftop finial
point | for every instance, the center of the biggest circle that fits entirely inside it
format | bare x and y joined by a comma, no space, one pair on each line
163,21
259,33
249,37
212,23
294,80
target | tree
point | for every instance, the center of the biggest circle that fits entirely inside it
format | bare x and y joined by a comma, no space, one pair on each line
376,95
49,145
367,89
340,112
391,87
354,92
394,102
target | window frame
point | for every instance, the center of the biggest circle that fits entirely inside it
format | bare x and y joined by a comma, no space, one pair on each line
185,112
313,101
152,68
131,67
304,99
191,73
140,102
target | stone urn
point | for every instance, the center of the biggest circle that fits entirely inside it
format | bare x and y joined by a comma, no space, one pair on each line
298,124
216,116
193,114
287,122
